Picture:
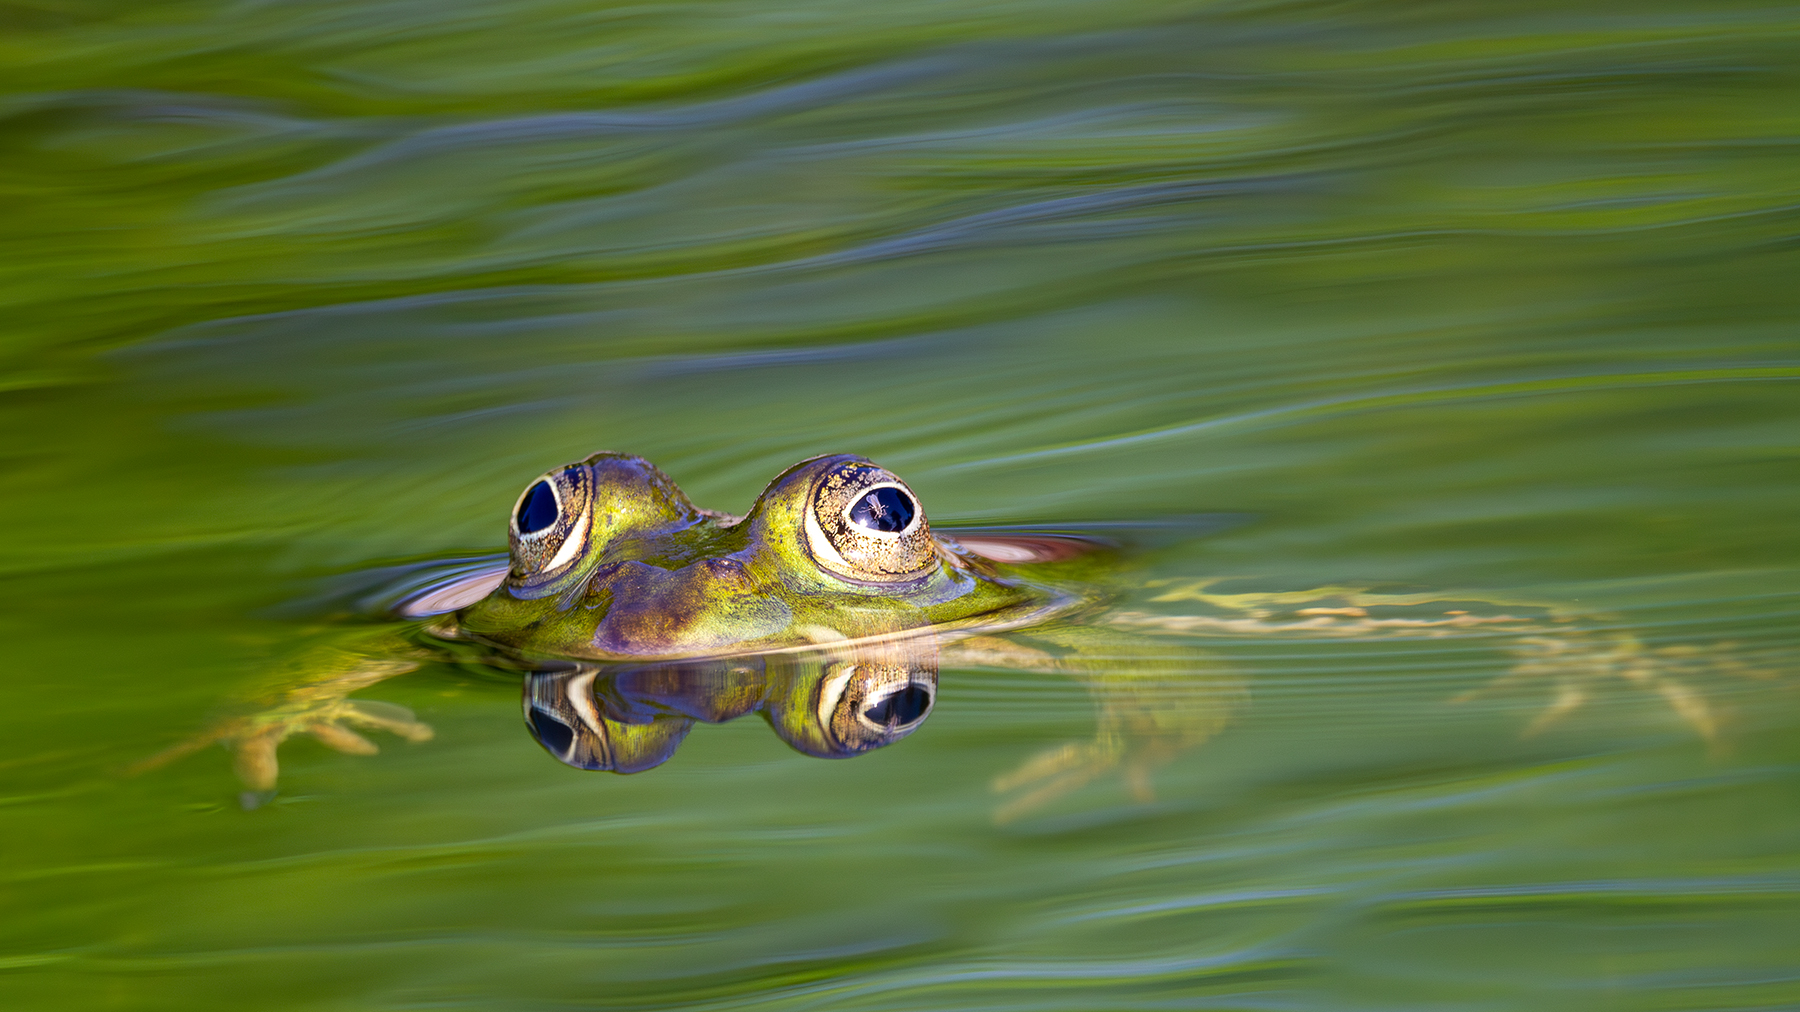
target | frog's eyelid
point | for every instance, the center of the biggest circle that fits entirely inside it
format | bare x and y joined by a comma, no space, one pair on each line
572,544
822,546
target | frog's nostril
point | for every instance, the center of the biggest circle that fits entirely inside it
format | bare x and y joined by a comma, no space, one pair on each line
902,708
538,509
885,509
555,735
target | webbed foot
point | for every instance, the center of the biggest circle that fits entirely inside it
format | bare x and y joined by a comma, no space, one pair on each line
318,707
1579,665
1571,654
1152,703
331,721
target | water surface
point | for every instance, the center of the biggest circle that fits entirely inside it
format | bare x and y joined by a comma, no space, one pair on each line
1495,298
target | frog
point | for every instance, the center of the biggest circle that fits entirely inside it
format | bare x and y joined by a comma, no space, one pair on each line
657,613
829,606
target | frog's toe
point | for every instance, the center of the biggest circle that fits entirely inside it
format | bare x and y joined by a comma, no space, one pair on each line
1053,762
253,758
333,727
1578,669
342,739
1690,706
1032,800
1137,782
1045,790
254,751
1567,700
1068,768
1049,775
1683,700
390,717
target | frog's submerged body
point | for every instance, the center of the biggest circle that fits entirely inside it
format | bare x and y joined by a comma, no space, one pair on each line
828,607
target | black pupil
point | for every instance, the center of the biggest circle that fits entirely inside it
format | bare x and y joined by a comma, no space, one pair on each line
901,708
886,509
556,735
538,509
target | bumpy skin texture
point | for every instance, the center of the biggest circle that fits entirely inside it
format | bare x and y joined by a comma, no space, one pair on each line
631,570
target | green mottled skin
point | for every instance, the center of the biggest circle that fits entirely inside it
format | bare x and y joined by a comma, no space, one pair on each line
693,616
660,578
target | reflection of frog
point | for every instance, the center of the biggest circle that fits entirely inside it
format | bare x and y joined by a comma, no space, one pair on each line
826,607
833,701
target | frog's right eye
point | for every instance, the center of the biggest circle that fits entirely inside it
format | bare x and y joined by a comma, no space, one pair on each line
550,521
864,523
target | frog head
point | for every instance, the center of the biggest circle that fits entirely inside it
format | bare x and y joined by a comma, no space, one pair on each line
610,561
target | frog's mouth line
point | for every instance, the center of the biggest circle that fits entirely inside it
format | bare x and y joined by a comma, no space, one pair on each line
1002,619
465,588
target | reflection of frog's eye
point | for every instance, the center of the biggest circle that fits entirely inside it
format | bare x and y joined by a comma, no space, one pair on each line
863,522
868,705
899,709
550,521
551,732
565,715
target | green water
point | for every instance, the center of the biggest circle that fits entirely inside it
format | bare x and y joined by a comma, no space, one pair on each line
1498,297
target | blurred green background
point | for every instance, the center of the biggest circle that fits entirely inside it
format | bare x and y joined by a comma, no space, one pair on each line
1480,295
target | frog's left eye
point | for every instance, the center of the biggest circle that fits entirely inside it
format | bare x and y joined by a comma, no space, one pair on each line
538,509
550,521
864,522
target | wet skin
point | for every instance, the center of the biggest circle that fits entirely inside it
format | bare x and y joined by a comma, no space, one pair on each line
610,562
828,608
823,608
